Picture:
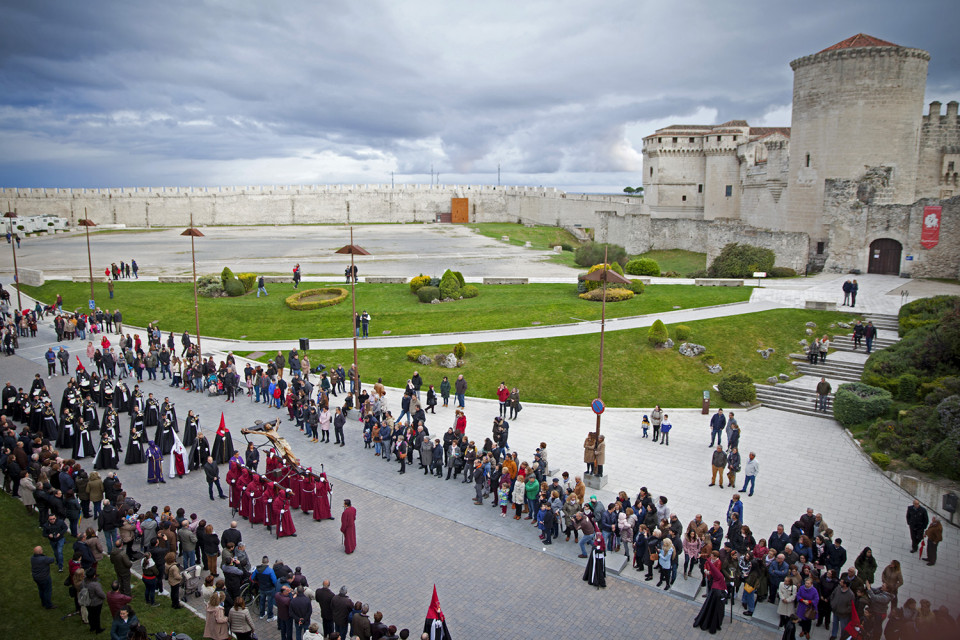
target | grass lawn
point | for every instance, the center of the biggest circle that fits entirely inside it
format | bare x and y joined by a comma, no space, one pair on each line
683,262
392,307
564,370
18,592
544,238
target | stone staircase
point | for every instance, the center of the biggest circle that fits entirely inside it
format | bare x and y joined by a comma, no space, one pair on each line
802,401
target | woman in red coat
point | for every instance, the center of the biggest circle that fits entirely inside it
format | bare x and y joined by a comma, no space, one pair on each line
348,527
321,499
281,512
307,488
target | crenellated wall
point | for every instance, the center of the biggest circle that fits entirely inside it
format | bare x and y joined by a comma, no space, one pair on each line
332,204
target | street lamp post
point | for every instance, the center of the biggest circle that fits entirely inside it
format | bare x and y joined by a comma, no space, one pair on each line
194,233
354,250
86,223
13,245
603,276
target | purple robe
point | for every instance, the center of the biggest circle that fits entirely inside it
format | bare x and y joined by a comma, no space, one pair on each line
154,464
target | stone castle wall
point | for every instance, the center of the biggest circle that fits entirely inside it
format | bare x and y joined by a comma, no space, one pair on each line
330,204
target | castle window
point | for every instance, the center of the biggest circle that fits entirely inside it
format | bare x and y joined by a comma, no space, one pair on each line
674,139
950,166
691,139
659,139
729,191
734,138
719,138
820,248
683,198
651,172
699,188
808,159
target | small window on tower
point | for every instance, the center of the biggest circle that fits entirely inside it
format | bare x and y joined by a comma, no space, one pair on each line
950,166
734,138
729,190
683,198
691,139
674,139
699,188
808,159
651,172
719,138
659,139
820,248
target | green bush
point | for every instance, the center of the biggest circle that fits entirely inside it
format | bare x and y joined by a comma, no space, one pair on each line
945,460
681,332
566,247
657,333
449,285
414,354
882,460
741,261
925,311
919,463
699,273
670,274
642,267
593,284
460,279
636,286
428,294
856,402
418,282
614,294
459,350
231,285
470,291
781,272
885,441
209,286
592,253
248,280
737,387
297,301
907,387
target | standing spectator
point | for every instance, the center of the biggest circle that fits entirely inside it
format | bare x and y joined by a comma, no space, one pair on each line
917,521
341,606
174,578
846,293
284,620
365,325
869,333
40,569
324,598
717,423
121,564
656,417
261,287
212,472
750,471
267,581
216,622
733,467
55,530
123,624
300,610
460,386
240,622
854,287
841,604
823,393
95,598
934,535
719,461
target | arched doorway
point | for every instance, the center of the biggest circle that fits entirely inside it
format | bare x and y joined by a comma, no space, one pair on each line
885,256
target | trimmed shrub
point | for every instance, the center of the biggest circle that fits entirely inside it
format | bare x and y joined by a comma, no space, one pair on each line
459,350
636,286
297,301
592,253
231,285
248,280
781,272
460,279
856,402
449,285
469,291
210,287
428,294
657,333
919,463
737,387
907,387
593,284
925,311
882,460
614,294
740,261
414,354
642,267
681,332
419,282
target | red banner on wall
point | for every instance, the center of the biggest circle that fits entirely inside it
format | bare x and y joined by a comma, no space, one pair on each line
930,234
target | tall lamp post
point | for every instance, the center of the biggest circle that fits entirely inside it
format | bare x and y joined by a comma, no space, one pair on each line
602,276
354,250
13,245
86,223
194,233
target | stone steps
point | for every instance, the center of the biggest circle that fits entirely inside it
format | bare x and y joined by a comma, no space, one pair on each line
792,399
831,369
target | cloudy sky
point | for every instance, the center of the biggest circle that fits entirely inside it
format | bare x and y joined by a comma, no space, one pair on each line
558,93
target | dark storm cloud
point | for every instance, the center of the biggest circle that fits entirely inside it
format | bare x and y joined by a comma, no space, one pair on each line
108,94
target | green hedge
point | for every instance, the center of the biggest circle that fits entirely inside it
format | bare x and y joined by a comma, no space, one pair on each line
737,387
450,285
925,311
428,294
741,261
592,253
295,303
469,291
614,294
231,285
657,333
856,402
781,272
593,284
642,267
419,282
681,332
636,286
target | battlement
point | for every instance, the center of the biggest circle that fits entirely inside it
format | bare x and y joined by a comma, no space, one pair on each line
833,55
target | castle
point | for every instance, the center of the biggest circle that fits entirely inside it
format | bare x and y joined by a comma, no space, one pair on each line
857,116
861,181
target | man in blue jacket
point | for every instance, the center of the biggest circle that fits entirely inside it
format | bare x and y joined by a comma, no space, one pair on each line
717,423
266,579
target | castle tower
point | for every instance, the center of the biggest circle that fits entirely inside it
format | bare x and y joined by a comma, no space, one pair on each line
856,104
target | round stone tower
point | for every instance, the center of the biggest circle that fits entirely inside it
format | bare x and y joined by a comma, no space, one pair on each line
856,104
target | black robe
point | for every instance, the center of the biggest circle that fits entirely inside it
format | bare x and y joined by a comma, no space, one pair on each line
68,431
106,394
164,437
37,385
71,401
110,420
151,414
21,410
50,426
83,445
90,415
121,398
136,447
9,398
596,572
137,401
222,448
108,457
199,452
167,411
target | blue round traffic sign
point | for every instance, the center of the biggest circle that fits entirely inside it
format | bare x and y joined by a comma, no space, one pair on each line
597,406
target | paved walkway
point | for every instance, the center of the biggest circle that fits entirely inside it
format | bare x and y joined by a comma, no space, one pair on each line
804,462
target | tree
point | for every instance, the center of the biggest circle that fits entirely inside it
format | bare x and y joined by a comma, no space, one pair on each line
628,189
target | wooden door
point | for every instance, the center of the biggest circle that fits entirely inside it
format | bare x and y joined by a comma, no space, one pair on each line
885,257
459,210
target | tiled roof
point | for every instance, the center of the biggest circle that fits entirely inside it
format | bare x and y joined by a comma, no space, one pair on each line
734,123
860,40
762,132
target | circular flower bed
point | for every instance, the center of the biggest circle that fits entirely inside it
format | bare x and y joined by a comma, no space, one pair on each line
316,298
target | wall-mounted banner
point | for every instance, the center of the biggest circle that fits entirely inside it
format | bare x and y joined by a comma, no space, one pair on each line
930,235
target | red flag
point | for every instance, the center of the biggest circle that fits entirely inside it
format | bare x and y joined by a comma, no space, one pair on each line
853,627
222,429
435,624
